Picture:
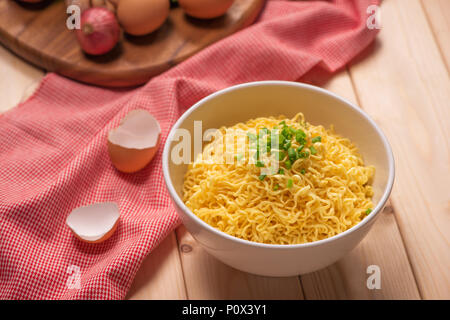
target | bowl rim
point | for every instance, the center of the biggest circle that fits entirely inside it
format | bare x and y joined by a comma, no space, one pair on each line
380,205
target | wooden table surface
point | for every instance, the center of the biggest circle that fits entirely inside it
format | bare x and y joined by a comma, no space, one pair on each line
403,82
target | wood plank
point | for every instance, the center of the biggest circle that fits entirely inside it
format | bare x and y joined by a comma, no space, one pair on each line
18,79
438,14
347,278
160,275
404,85
207,278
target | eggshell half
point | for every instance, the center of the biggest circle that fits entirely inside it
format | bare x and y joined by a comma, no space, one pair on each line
134,143
94,223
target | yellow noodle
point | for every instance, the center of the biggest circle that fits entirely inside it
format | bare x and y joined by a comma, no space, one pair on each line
331,196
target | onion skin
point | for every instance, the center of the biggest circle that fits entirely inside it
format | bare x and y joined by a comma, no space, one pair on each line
99,31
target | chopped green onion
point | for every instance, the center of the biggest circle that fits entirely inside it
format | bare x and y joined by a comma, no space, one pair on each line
276,187
368,211
281,139
287,144
304,154
288,164
292,154
300,136
299,149
281,171
316,139
259,164
286,132
313,150
282,123
290,183
261,177
279,155
303,171
292,131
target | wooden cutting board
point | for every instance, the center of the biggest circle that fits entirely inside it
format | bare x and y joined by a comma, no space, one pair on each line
39,34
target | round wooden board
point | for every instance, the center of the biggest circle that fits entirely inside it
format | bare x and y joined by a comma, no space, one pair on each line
39,34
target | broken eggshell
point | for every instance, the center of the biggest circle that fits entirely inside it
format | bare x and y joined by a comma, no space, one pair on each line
134,143
94,223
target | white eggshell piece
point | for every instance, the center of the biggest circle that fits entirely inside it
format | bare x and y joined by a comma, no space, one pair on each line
138,130
92,222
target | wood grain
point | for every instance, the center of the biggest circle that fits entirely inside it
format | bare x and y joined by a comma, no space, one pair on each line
404,85
160,275
39,34
208,278
383,246
17,78
438,14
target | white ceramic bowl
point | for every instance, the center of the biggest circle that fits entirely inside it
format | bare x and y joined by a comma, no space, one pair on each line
272,98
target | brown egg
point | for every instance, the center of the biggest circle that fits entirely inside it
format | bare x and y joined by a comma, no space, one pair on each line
139,17
205,9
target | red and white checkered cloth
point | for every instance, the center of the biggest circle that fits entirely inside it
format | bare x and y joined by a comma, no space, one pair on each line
53,152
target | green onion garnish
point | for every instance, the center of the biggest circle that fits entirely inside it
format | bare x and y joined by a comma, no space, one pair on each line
300,136
259,164
276,187
313,150
287,144
316,139
290,183
286,132
303,171
299,149
292,154
279,155
304,154
368,211
281,171
281,139
261,177
288,164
